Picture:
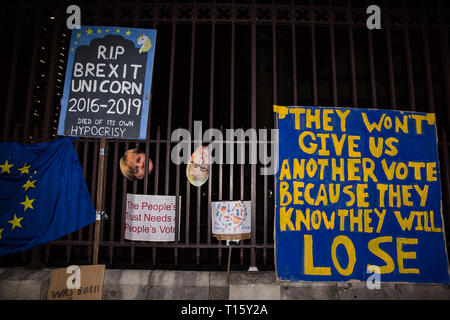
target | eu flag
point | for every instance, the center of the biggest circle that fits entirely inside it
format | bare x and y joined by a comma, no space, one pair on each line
43,195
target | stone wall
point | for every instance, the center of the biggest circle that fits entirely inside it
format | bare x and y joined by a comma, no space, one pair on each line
32,284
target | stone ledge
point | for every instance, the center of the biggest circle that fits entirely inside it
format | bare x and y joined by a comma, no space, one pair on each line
125,284
24,284
357,290
178,285
32,284
308,291
254,286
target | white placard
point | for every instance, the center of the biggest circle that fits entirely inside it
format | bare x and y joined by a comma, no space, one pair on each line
231,217
150,218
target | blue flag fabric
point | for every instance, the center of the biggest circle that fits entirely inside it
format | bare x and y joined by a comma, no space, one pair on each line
43,195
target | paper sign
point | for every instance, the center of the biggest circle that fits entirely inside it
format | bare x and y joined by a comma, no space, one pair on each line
231,218
63,283
150,218
358,190
108,81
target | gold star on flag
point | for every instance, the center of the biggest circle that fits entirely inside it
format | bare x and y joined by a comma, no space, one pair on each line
29,184
1,230
15,222
27,203
128,32
89,31
99,31
24,169
5,167
118,30
78,35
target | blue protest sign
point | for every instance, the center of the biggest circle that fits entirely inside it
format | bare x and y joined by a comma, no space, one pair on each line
358,188
108,82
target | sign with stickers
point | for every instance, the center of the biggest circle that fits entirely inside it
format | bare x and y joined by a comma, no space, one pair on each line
231,220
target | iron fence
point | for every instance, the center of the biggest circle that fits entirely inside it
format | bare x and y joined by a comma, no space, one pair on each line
225,64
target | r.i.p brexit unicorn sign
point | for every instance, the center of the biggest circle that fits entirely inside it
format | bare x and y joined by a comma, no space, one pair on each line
107,87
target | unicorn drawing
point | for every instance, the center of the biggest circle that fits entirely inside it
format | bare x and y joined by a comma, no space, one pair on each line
145,42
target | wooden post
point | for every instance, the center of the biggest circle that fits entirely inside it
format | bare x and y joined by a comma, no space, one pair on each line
229,238
99,206
228,266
